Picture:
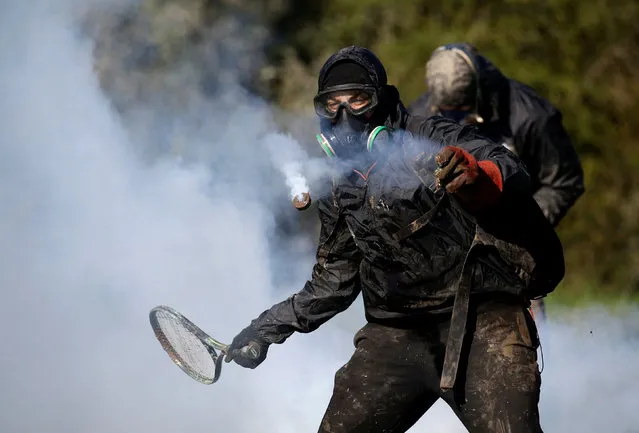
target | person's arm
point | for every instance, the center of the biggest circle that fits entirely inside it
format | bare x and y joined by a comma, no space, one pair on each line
472,166
333,287
555,164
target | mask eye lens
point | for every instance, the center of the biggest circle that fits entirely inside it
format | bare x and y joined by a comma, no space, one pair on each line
332,106
359,102
356,102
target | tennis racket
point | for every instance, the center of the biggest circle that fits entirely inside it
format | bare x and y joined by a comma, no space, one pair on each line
189,347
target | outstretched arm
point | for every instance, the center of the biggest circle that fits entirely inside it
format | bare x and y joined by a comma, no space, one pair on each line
472,166
333,287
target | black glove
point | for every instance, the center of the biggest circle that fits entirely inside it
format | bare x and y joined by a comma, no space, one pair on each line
247,349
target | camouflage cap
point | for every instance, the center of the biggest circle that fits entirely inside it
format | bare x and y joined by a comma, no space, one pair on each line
451,78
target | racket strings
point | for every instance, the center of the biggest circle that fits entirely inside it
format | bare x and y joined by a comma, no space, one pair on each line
188,348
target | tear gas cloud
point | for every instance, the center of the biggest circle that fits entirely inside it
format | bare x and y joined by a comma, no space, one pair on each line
92,237
289,158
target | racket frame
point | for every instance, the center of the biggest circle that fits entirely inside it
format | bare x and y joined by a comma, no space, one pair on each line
211,344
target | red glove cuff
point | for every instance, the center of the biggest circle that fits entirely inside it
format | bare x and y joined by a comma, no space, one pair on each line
479,185
494,174
486,191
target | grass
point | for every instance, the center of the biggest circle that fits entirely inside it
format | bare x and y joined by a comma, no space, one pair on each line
584,295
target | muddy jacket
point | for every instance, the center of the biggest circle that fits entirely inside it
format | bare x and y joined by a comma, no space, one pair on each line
410,250
364,244
517,117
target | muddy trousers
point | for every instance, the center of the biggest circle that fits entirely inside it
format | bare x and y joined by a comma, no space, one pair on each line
392,378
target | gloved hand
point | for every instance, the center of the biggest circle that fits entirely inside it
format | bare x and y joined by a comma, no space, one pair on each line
477,184
247,349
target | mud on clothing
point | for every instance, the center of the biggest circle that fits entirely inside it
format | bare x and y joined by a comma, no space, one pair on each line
411,283
412,277
392,378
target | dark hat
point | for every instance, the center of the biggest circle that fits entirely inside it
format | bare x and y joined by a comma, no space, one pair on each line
352,63
346,72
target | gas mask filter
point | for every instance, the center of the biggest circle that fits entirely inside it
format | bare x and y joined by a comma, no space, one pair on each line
334,146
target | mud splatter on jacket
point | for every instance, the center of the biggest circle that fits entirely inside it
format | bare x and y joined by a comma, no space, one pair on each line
359,250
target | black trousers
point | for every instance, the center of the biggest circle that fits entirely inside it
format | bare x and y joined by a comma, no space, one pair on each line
392,378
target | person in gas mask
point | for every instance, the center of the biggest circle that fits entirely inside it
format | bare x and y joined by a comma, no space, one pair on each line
465,86
410,223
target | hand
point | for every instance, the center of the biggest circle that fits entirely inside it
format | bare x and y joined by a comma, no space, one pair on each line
478,185
456,168
247,349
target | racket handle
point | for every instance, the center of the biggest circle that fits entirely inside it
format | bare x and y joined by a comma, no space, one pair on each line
251,350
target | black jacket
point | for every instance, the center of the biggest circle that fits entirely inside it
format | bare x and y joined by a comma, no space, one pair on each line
408,276
528,124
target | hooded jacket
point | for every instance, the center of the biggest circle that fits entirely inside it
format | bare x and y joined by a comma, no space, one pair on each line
529,125
405,274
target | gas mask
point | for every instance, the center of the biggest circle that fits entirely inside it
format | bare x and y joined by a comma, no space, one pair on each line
353,140
347,131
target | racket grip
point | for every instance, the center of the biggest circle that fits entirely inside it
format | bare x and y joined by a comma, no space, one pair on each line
252,350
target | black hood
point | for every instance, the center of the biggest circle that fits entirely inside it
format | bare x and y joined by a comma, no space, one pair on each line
393,113
493,88
363,57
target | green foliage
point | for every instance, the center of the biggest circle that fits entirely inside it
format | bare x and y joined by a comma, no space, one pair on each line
581,55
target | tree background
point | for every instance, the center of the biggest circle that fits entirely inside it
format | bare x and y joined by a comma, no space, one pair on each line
170,53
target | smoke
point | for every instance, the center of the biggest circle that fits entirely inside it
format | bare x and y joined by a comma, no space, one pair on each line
590,376
287,155
295,180
92,236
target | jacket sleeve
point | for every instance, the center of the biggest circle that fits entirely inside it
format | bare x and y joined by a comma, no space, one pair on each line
554,163
442,131
333,287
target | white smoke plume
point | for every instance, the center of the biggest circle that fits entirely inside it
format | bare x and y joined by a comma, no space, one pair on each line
289,158
295,179
91,238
